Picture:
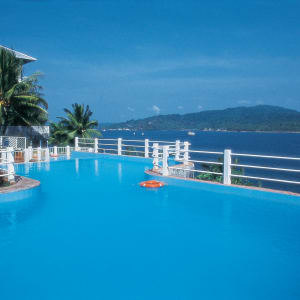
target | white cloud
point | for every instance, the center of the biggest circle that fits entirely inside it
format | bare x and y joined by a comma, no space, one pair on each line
246,102
130,108
131,68
156,109
180,107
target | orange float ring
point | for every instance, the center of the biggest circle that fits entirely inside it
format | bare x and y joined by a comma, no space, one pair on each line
53,155
152,184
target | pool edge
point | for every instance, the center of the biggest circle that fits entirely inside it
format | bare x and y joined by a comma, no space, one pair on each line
234,186
22,184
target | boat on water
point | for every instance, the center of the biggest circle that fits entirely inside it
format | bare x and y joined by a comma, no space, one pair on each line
191,133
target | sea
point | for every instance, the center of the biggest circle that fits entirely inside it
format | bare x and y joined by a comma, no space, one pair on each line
262,143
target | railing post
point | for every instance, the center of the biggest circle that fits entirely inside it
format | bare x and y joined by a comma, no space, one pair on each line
39,154
47,154
30,153
96,145
186,153
76,144
55,151
68,151
10,164
165,169
26,155
146,148
227,167
155,156
177,150
119,146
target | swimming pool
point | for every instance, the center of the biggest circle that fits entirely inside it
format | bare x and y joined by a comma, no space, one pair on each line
90,232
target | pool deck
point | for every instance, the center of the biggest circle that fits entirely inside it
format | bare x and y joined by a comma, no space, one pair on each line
156,174
22,183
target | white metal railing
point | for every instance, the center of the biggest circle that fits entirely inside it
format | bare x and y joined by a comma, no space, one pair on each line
118,146
189,162
40,154
187,167
227,166
7,170
55,151
9,156
248,166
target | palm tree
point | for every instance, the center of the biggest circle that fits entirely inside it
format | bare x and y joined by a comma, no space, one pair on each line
21,101
58,134
77,123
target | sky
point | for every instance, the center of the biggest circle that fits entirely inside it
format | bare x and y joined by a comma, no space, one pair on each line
132,59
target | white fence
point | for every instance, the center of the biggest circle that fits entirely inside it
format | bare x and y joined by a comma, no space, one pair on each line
143,148
226,169
221,166
7,170
9,156
40,154
269,157
56,151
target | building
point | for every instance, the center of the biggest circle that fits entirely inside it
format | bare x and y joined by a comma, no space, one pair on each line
35,133
24,57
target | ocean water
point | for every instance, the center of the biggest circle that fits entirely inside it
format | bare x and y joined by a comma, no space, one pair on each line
287,144
91,232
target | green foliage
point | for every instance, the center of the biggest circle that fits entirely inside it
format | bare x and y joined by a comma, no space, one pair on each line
21,101
219,169
130,150
3,181
77,123
256,118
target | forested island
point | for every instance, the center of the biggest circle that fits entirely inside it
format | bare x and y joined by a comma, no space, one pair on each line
255,118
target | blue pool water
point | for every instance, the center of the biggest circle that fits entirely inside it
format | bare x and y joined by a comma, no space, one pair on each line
90,232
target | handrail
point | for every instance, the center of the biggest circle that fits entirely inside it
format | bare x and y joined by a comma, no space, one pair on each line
265,156
134,141
266,179
191,161
204,152
206,162
107,139
107,149
86,143
138,146
164,142
265,168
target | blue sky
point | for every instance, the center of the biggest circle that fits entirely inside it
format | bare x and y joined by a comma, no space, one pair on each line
131,59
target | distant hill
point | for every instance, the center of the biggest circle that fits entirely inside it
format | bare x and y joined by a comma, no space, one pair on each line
256,118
